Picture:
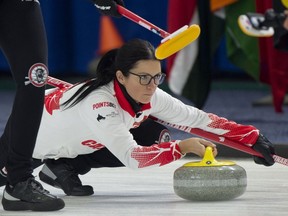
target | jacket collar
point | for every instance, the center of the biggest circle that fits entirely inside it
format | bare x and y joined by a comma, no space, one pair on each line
126,101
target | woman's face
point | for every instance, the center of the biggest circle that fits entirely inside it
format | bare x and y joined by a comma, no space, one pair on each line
141,93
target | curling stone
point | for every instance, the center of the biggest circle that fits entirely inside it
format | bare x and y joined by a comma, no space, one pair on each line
209,179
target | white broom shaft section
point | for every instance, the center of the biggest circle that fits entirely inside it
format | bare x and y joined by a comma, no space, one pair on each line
280,160
213,137
144,23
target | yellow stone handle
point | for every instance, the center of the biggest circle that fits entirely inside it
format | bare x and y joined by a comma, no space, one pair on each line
209,160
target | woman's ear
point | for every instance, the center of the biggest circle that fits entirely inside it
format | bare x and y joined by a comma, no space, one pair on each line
120,77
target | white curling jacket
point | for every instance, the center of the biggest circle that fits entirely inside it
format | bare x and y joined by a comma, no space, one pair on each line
104,118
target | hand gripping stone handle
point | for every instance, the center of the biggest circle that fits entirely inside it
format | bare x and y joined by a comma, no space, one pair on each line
213,137
235,145
224,141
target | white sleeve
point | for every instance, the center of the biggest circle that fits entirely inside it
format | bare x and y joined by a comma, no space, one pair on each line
171,110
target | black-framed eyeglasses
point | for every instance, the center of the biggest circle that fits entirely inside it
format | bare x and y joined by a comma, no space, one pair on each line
145,79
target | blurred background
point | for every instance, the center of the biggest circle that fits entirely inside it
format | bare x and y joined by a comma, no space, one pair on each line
73,30
224,71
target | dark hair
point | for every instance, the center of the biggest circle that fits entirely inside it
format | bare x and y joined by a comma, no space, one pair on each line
124,59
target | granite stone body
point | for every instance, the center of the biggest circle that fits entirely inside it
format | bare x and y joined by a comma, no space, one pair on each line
213,183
